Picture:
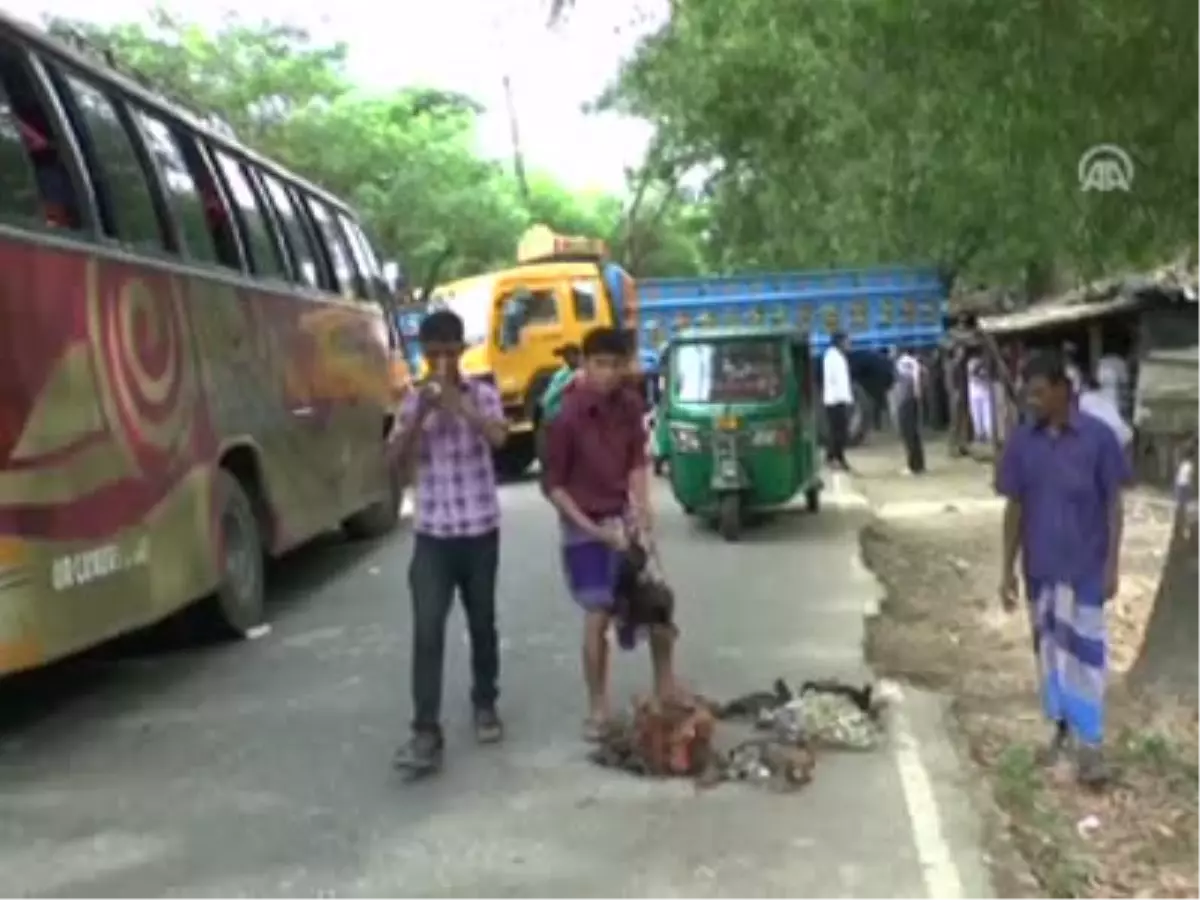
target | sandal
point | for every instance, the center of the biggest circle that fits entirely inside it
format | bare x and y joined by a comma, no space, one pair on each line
594,730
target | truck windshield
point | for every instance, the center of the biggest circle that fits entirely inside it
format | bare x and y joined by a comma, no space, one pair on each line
729,371
473,305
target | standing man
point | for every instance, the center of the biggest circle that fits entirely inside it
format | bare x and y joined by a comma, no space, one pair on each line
1112,375
1062,475
907,398
838,396
597,477
960,339
448,428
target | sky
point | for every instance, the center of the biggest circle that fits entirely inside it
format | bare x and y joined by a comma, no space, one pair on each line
467,46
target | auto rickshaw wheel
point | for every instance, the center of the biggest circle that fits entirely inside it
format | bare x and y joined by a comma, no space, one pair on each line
729,517
812,499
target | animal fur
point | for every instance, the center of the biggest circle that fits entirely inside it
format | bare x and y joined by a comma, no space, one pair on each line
824,712
641,599
781,766
673,739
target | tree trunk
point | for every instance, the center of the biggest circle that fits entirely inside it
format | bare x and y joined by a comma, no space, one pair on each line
514,130
1168,658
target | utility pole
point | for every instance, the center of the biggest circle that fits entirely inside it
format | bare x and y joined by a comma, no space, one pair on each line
514,131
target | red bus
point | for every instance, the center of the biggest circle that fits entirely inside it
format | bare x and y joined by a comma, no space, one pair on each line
196,365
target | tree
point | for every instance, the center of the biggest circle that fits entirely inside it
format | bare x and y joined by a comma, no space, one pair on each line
939,131
407,159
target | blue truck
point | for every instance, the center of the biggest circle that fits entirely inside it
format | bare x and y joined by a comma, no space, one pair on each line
878,308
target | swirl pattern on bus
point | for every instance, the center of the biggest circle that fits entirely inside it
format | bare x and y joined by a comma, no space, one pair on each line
146,376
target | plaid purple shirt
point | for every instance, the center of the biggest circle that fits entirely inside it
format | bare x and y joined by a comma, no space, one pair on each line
456,481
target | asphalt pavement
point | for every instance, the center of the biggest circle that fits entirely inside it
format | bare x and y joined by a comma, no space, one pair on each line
155,768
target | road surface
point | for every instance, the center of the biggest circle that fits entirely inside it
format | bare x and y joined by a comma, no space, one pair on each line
262,769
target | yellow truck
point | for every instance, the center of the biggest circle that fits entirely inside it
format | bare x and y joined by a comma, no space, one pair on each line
515,320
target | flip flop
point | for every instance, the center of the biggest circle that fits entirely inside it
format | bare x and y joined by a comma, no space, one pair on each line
594,730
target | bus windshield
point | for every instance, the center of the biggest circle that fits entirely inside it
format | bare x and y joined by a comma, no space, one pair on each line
728,371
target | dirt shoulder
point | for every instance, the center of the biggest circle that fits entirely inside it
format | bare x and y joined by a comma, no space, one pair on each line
934,544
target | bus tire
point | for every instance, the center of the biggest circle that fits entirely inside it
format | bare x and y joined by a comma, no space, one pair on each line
238,604
382,516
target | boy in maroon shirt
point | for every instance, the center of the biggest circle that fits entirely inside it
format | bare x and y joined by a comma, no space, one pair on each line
597,477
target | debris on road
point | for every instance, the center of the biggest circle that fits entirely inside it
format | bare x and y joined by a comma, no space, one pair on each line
786,729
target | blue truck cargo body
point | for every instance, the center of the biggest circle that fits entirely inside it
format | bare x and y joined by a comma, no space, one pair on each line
877,307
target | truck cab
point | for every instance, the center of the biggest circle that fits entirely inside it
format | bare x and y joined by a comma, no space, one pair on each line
515,319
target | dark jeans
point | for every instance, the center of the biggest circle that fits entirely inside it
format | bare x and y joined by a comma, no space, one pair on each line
439,567
837,415
909,415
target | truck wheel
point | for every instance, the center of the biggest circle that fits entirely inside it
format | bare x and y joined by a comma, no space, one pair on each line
729,517
239,602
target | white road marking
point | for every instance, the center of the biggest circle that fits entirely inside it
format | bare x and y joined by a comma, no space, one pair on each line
936,858
934,854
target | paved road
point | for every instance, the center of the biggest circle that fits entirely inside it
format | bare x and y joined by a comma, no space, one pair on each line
262,768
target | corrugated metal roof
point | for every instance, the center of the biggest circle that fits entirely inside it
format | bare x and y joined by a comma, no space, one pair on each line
1102,298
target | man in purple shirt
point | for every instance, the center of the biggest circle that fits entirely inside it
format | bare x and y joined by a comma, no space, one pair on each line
1063,474
446,430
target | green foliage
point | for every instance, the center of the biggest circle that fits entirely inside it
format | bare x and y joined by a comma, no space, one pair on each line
946,131
406,160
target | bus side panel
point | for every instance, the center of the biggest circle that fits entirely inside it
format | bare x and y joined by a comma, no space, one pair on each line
338,366
104,478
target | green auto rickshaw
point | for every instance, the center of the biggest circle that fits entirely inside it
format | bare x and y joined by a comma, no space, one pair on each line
738,422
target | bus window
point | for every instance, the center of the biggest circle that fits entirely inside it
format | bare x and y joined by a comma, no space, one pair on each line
364,256
127,210
217,213
349,282
35,181
297,235
182,192
266,255
18,189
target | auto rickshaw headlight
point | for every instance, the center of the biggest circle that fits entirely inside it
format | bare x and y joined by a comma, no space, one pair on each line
685,438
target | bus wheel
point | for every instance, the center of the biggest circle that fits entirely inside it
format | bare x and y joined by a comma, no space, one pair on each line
381,516
239,602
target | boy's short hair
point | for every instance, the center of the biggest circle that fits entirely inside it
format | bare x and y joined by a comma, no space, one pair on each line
604,341
441,327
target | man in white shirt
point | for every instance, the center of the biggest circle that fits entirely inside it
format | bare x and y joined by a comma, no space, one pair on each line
1096,402
1112,374
838,396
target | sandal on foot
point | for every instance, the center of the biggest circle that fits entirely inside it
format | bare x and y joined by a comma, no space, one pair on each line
594,730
